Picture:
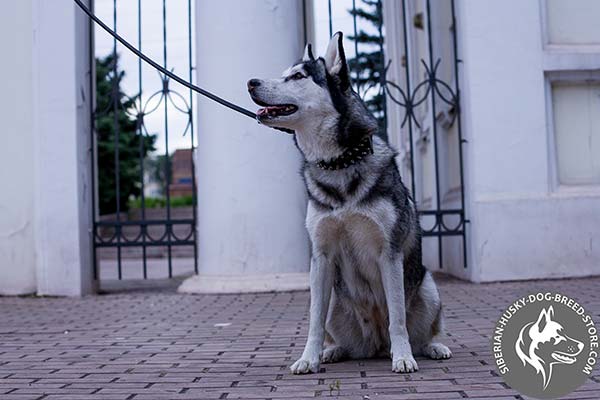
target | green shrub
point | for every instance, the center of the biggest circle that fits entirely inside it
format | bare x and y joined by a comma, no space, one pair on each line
182,201
161,202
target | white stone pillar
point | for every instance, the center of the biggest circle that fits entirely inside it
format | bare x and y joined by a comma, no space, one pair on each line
45,213
251,199
62,149
17,259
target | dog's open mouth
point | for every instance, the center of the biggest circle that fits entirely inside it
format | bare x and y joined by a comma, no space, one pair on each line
273,111
563,358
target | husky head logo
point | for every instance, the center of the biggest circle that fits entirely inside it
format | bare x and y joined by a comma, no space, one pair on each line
544,343
315,99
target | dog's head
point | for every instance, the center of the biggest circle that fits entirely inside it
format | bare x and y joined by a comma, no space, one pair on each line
314,98
544,343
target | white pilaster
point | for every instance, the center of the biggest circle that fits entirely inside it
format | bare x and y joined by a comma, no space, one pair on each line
17,258
44,207
62,149
251,199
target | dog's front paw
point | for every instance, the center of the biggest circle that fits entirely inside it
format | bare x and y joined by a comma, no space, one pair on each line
404,364
305,366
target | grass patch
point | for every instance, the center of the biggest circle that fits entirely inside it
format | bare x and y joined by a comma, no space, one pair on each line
161,202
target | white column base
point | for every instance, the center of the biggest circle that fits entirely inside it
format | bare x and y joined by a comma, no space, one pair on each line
242,283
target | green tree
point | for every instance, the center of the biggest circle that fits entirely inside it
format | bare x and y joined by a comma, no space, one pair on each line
109,93
366,69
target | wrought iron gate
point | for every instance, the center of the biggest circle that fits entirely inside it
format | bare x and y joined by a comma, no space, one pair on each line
418,83
137,236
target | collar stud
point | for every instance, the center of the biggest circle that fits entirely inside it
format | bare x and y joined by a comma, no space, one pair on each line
349,157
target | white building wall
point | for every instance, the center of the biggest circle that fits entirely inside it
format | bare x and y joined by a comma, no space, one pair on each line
17,258
523,224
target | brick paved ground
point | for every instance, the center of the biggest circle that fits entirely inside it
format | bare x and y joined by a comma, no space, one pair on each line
161,345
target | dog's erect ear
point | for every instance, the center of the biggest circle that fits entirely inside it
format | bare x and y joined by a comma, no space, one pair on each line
308,54
544,318
335,59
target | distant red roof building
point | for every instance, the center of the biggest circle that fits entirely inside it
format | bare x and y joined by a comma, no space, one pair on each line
181,173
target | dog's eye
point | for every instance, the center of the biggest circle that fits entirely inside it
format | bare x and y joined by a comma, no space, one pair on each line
296,76
558,339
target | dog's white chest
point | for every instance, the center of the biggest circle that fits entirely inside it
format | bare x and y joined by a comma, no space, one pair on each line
352,233
349,232
351,228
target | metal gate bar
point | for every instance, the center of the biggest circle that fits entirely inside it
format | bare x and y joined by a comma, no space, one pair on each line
144,239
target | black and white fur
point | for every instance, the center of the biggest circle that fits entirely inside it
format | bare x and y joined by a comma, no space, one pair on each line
370,294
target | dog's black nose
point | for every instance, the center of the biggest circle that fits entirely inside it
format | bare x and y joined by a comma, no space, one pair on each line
253,83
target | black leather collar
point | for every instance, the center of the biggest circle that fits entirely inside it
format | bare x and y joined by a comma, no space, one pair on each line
349,157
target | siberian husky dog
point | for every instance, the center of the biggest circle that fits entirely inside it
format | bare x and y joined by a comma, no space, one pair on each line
369,292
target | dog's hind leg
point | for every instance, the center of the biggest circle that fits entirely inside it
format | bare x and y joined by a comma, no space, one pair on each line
333,353
426,322
436,351
433,349
342,332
